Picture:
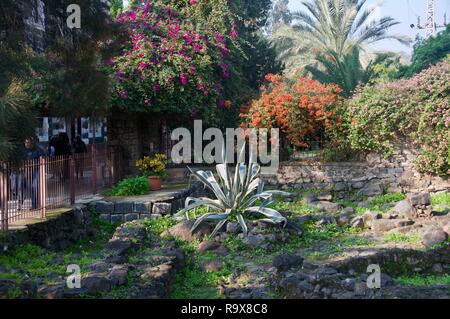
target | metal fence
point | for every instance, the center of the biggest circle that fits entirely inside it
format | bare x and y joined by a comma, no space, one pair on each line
34,186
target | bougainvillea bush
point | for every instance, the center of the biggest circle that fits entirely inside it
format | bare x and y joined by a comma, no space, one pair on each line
413,110
303,109
167,62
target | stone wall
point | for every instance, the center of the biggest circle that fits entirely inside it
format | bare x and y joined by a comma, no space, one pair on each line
60,229
369,178
152,206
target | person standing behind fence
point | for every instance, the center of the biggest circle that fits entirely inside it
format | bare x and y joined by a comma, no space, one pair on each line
63,148
79,148
28,177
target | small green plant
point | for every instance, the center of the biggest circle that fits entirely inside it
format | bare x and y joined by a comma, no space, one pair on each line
441,198
131,187
234,196
419,280
400,238
153,166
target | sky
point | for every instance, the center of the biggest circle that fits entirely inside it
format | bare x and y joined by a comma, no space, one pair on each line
404,11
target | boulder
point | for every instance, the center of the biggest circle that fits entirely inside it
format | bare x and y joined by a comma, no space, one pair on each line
357,222
95,283
370,216
419,198
405,209
183,231
119,247
371,190
326,206
433,236
310,198
388,224
119,275
253,240
233,228
214,247
446,229
214,265
284,262
303,219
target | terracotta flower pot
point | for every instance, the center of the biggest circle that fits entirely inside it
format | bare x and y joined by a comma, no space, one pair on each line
155,182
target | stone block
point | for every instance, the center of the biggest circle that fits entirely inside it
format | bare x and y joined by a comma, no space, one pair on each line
105,217
117,218
123,207
103,207
143,208
162,208
131,217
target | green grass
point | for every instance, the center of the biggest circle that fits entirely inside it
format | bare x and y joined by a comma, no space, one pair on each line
418,280
400,238
159,225
441,198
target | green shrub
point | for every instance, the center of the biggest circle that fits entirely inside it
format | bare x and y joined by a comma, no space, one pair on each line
412,110
131,187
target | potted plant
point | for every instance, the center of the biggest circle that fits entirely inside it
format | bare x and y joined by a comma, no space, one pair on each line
154,168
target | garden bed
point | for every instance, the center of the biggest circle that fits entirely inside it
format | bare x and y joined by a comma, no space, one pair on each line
324,252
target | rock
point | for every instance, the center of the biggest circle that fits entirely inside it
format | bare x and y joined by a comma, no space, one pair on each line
134,231
117,218
178,257
119,246
437,268
310,198
162,208
100,266
357,222
371,190
55,291
163,273
183,231
103,207
363,204
114,259
119,275
433,236
207,246
388,224
211,265
131,217
284,262
446,229
303,219
123,207
105,217
95,283
143,208
348,210
254,241
371,216
419,198
233,228
348,284
405,209
326,206
343,219
325,197
294,229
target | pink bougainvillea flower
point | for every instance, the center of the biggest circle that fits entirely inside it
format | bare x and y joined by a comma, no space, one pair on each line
123,94
157,87
193,2
143,64
183,79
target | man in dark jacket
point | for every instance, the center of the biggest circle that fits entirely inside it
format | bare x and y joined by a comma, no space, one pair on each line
28,177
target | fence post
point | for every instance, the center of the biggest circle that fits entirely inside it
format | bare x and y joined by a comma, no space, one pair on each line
94,159
72,179
4,177
42,186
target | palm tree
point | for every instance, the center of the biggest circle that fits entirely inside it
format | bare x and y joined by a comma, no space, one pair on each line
337,26
330,39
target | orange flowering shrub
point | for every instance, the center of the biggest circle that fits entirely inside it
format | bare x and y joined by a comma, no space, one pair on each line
304,108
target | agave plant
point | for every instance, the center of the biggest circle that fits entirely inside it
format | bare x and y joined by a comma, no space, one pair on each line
236,194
